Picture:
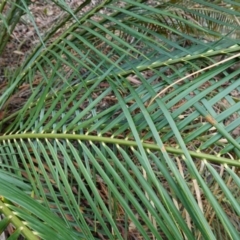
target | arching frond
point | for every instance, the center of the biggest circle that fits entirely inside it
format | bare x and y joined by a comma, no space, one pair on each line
127,125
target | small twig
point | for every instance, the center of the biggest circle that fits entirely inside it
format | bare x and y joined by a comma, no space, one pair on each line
194,73
236,20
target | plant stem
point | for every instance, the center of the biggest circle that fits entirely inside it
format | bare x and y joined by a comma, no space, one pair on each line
12,18
18,224
152,146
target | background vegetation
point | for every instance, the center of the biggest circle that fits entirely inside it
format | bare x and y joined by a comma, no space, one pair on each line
121,121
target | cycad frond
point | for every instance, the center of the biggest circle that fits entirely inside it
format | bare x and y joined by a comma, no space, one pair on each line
121,128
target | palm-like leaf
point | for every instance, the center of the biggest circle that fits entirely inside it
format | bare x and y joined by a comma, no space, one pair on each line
106,145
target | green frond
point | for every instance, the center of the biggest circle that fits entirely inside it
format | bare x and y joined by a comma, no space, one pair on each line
127,124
